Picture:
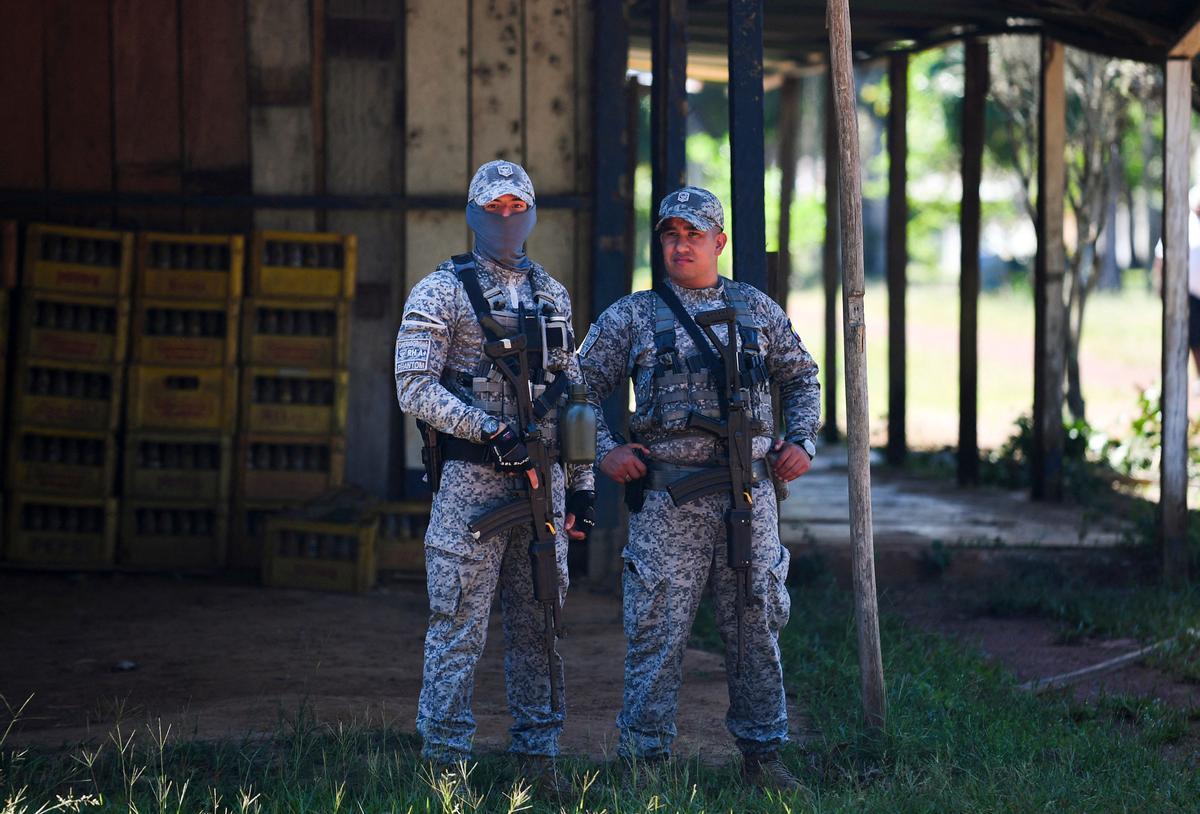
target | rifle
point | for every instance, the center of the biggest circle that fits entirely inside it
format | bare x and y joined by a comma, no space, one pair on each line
539,511
736,429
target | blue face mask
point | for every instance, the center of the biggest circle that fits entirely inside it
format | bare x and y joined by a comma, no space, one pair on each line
501,239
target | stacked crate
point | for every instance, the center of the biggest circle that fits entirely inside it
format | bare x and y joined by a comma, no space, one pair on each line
182,406
295,385
62,444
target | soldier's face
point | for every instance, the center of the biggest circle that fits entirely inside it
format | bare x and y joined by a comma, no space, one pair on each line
505,205
690,253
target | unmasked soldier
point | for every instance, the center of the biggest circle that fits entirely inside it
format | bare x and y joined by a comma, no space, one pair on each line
678,545
468,404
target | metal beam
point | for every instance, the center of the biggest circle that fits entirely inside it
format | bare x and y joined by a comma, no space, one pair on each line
897,257
789,133
1173,467
974,99
746,141
668,109
1049,320
612,207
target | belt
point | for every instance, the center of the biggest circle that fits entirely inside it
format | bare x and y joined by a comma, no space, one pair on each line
662,475
460,449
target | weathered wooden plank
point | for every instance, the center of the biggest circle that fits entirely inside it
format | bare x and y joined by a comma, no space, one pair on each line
830,258
281,143
79,100
497,86
897,259
550,100
974,100
1049,318
552,244
146,106
280,52
668,109
858,429
22,140
362,143
437,107
1176,148
746,141
216,138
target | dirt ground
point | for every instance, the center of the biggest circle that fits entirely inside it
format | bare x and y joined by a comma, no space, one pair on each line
215,658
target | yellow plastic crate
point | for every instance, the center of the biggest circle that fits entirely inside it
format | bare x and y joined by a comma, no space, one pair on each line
56,461
176,332
400,544
73,395
178,466
308,265
61,532
288,467
182,398
190,267
294,400
248,529
74,329
323,555
295,333
91,262
173,534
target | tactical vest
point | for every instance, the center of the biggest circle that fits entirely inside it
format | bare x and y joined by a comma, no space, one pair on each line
683,385
545,330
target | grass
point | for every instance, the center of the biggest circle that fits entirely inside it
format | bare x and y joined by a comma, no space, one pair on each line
1121,350
960,737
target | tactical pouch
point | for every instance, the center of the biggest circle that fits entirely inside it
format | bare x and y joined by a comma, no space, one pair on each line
737,522
431,455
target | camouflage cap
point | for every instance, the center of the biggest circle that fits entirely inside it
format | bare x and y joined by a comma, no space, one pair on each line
697,206
496,178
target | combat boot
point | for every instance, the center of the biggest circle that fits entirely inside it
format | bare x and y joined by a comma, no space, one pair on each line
544,779
642,773
766,771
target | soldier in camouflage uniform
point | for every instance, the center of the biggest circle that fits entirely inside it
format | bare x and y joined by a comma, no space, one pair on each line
444,380
675,551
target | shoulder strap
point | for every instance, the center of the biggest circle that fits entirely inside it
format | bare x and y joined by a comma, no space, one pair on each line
703,347
464,267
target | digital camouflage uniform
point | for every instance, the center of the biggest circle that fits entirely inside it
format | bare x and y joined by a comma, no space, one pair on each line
674,552
438,351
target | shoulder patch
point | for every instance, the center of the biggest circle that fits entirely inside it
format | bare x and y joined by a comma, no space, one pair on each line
412,354
593,334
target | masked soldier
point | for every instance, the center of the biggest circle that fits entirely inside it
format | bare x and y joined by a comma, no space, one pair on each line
678,545
478,459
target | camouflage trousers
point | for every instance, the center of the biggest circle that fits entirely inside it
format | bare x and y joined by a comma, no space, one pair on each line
673,553
463,576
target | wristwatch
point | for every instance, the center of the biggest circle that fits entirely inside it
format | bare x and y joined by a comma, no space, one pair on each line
491,426
809,447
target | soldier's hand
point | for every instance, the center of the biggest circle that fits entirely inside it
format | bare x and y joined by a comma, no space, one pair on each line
790,460
623,464
511,454
581,514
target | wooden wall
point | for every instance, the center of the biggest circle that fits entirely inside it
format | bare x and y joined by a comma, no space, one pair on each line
366,98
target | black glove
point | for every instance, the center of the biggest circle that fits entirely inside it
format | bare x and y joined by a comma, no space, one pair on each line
582,504
511,453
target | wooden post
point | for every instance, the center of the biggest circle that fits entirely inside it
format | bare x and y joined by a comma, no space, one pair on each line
974,98
870,659
1173,500
668,110
897,258
1049,321
746,141
789,131
612,206
830,271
